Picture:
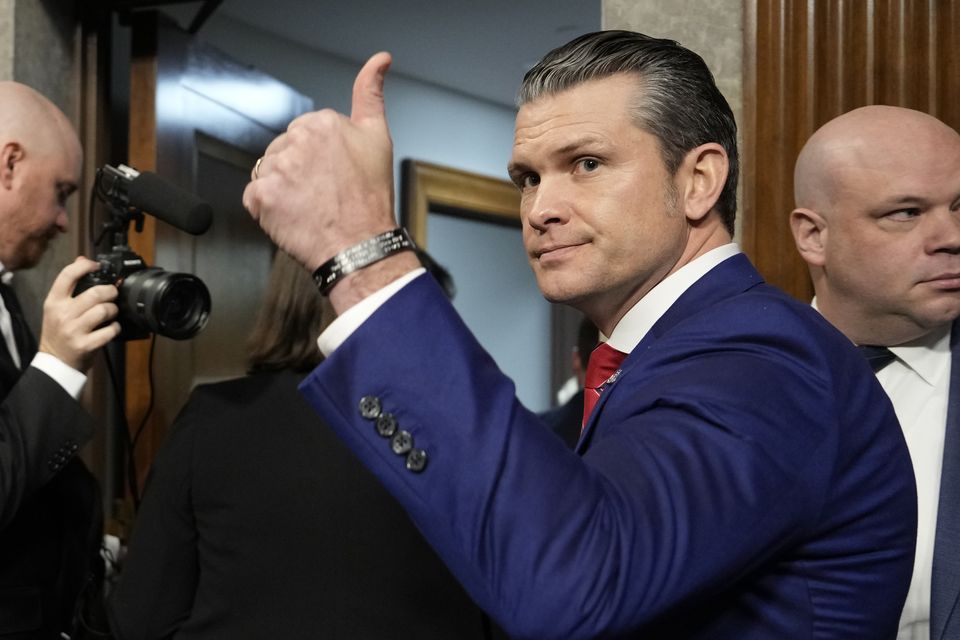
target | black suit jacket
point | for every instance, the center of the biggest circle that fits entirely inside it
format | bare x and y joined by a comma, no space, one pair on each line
50,513
257,522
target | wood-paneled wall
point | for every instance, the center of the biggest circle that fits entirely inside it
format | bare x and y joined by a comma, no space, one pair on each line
808,61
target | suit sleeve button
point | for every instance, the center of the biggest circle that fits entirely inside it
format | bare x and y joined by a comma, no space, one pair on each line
402,442
370,407
416,460
386,425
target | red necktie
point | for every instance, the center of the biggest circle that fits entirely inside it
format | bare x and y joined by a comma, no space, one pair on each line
604,361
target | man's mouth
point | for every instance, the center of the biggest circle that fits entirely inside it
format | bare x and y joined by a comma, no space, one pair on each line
948,280
558,250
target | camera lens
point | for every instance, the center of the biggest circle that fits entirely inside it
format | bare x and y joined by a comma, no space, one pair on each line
175,305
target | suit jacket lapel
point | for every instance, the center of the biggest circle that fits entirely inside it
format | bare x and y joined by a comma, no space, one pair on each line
9,373
945,610
730,277
23,337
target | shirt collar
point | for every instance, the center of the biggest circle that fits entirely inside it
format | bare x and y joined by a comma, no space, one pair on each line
5,275
638,320
928,356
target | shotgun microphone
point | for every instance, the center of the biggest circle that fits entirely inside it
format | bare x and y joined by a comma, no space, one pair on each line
146,191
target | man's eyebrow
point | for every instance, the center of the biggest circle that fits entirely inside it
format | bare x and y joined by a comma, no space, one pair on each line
905,198
898,200
514,167
578,144
67,185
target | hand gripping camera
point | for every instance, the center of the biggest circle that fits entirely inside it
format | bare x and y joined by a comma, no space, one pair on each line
151,300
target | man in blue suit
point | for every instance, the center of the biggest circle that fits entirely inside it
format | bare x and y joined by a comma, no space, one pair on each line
878,222
741,475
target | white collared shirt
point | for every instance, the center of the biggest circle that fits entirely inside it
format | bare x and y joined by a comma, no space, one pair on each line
918,383
635,324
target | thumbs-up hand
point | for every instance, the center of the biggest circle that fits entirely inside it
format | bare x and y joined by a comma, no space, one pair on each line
327,183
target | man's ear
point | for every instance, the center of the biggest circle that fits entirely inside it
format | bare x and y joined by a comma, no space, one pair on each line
704,173
810,234
10,155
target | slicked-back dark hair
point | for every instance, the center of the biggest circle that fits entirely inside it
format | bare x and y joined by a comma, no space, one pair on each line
677,97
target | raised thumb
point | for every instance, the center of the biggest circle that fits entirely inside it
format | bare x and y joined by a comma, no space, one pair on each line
368,89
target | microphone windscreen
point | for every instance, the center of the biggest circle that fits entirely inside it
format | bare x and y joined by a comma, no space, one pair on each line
168,202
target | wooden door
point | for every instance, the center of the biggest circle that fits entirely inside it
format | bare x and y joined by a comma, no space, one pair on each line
200,120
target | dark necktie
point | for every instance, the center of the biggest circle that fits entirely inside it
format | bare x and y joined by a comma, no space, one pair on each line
604,361
878,357
22,336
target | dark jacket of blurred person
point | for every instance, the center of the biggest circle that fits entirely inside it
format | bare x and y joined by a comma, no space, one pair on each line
257,522
49,550
566,420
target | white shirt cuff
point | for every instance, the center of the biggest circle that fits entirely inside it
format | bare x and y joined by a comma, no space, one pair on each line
351,319
63,374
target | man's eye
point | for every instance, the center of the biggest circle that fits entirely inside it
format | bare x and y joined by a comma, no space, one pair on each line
63,194
589,164
904,214
529,180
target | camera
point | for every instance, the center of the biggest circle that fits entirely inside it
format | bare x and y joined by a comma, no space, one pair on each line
150,299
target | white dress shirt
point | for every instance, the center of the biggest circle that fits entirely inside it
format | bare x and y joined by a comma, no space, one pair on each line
918,383
635,324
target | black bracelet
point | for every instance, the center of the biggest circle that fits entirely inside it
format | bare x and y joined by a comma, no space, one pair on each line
361,255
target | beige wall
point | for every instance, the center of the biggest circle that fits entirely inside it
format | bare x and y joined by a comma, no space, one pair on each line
6,39
712,28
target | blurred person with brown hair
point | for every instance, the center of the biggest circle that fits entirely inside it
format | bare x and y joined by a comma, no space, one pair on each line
257,522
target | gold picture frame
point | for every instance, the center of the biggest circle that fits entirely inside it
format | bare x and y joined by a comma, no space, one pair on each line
427,187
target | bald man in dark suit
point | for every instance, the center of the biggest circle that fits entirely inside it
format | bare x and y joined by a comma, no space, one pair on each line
50,514
877,219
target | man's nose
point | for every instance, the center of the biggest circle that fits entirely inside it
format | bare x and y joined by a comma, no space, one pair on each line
62,221
944,232
550,204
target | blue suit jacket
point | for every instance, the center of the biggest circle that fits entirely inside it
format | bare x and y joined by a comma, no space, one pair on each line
744,477
945,596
